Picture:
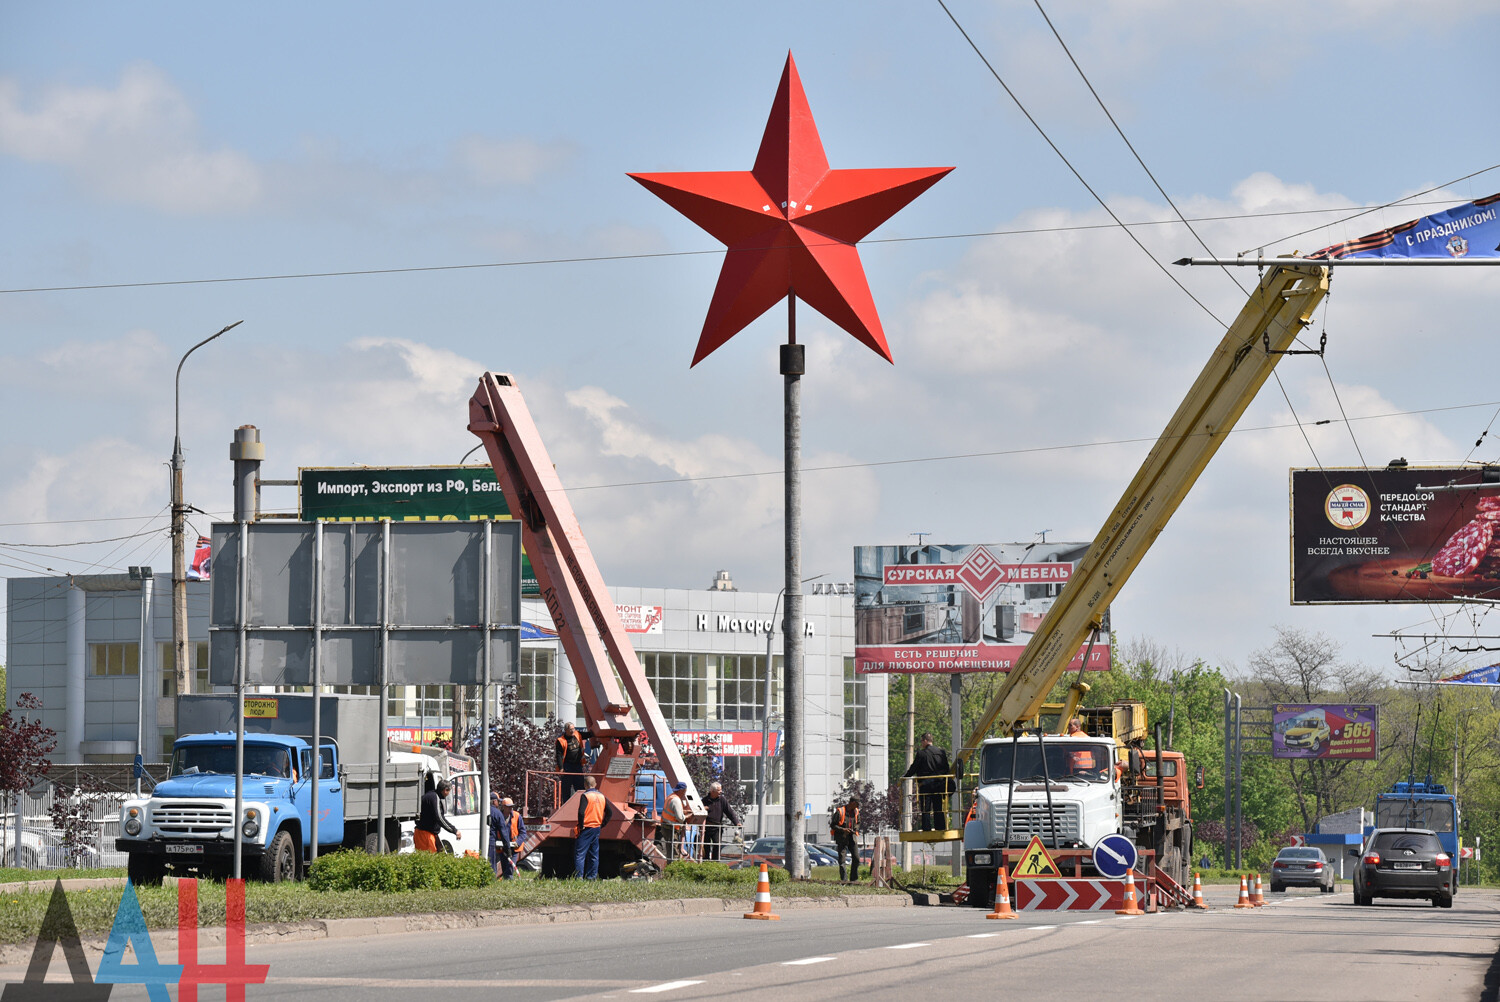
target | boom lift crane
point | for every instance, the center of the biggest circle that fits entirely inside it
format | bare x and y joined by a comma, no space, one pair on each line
1010,807
592,634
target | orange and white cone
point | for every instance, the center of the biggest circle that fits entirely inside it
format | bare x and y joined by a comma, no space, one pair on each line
1198,901
1132,907
1257,898
762,909
1002,898
1244,901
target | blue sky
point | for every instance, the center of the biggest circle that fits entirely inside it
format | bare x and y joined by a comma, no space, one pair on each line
178,142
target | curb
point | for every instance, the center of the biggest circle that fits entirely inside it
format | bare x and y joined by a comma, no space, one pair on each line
383,925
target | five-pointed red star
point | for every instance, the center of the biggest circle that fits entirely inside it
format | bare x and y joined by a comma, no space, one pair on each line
791,224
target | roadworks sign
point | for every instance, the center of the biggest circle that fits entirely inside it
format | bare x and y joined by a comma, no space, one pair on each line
1036,861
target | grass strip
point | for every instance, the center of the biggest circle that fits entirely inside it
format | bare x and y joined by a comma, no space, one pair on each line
94,909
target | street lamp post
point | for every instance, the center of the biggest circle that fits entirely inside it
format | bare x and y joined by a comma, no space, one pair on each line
763,778
179,519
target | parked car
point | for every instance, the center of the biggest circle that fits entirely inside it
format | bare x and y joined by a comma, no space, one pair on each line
1404,863
1299,866
772,851
43,849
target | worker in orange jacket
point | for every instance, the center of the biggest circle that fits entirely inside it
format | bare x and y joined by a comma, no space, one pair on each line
594,812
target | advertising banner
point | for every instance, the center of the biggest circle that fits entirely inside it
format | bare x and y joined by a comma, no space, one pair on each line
407,494
719,742
1408,534
640,618
958,608
1468,230
1322,730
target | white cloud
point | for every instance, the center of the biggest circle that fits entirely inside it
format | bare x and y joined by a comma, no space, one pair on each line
137,142
493,162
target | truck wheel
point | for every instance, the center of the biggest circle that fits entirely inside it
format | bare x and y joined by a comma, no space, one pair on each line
144,871
279,861
372,844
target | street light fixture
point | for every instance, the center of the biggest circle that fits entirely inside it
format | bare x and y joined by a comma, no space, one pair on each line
179,518
764,764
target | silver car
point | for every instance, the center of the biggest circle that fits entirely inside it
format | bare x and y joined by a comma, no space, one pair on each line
1302,866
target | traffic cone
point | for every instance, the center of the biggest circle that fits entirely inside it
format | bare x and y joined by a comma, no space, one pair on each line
1198,901
1002,898
1244,901
1257,898
1131,905
762,909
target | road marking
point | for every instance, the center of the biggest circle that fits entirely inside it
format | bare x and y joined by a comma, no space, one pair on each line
1089,922
907,946
1042,928
982,935
665,987
805,960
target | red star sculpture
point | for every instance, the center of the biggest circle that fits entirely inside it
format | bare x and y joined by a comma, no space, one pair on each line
791,224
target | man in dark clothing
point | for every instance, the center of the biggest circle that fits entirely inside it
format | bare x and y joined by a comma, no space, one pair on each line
507,832
594,812
431,819
571,759
930,766
845,828
718,813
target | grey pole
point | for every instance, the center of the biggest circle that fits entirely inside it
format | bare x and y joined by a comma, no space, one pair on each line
141,664
1228,782
763,764
385,643
317,682
908,785
484,702
180,660
956,709
793,365
1239,792
243,576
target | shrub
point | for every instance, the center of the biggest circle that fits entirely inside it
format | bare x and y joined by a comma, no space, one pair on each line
711,872
356,870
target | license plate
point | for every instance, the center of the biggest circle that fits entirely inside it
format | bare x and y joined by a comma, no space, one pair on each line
1407,866
190,848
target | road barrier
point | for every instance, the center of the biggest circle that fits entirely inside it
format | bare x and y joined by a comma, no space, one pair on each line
762,909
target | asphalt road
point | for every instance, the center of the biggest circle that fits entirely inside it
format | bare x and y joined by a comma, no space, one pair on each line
1304,946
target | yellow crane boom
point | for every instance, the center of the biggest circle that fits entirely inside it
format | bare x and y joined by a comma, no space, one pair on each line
1279,308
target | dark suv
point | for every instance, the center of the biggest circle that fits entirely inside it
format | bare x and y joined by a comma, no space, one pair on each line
1404,863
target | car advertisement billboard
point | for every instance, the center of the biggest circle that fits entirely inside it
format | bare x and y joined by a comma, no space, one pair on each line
1400,534
1322,730
958,608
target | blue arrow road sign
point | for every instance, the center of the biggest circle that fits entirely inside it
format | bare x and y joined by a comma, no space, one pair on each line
1114,855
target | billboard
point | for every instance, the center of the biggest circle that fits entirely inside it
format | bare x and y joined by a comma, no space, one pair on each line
958,608
1322,730
1407,534
405,494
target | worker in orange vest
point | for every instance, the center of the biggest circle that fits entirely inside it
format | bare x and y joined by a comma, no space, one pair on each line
673,818
845,825
594,812
507,832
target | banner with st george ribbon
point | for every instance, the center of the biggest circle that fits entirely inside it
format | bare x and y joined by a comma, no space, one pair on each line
202,566
1468,230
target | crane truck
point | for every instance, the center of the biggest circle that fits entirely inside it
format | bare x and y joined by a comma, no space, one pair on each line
1073,791
593,637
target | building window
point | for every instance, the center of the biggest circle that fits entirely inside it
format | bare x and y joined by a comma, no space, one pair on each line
856,721
537,692
115,659
167,658
742,688
743,767
680,682
168,738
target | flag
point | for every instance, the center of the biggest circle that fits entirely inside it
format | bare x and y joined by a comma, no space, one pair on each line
1476,676
530,631
1468,230
202,560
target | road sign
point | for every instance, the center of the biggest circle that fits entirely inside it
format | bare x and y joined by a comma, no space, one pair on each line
1036,861
1114,855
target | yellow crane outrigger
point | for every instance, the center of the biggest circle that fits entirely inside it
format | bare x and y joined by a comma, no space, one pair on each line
1279,308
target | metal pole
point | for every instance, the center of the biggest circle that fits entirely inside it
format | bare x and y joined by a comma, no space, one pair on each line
484,702
141,662
1228,783
1239,780
911,753
763,764
242,586
793,366
385,643
180,660
317,682
955,710
1041,744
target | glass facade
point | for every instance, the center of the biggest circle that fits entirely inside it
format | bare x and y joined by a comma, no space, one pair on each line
856,722
115,659
166,656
